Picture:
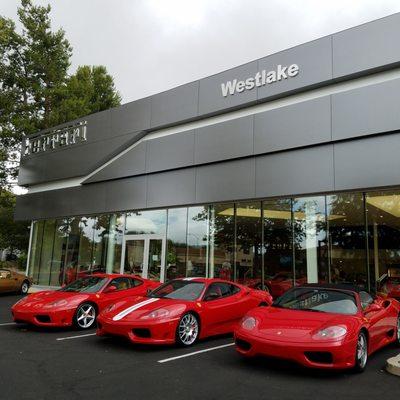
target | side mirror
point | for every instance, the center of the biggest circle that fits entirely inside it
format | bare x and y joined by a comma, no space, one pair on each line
110,289
211,296
374,307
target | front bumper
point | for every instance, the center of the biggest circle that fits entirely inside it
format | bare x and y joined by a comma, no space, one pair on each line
149,332
329,355
44,317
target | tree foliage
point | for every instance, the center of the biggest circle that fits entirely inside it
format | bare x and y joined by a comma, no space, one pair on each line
36,91
13,235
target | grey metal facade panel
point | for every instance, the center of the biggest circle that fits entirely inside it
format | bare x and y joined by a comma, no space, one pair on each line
230,139
126,194
211,99
365,163
29,206
77,161
178,104
171,188
169,152
133,162
368,110
225,181
300,171
296,125
32,170
131,117
315,66
367,46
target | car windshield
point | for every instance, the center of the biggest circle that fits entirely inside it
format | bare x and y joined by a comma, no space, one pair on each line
90,284
318,299
179,289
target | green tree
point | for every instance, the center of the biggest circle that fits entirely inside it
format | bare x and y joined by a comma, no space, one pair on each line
13,235
35,89
91,89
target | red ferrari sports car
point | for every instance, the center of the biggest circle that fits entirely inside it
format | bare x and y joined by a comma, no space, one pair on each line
79,303
181,311
321,326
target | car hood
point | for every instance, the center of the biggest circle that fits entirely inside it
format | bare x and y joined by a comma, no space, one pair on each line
135,308
40,299
291,325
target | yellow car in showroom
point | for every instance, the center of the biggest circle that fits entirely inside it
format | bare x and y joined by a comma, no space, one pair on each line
11,281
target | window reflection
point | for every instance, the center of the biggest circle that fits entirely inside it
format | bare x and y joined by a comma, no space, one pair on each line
309,234
347,243
222,240
176,243
278,249
197,241
146,222
248,268
383,217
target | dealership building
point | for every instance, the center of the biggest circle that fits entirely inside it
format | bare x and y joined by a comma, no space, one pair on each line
282,170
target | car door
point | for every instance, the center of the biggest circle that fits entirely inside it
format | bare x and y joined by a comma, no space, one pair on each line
6,283
376,320
220,310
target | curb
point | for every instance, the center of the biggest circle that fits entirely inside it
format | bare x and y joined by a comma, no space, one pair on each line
393,365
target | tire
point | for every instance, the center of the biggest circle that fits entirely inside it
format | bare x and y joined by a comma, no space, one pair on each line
188,330
24,288
85,316
398,331
361,356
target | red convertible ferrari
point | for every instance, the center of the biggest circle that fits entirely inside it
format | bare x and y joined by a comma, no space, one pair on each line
181,311
79,303
321,326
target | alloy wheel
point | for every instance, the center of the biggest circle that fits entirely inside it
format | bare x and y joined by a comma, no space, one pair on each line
188,329
398,330
85,316
362,351
24,288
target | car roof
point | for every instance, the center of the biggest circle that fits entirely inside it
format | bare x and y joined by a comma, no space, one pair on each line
202,279
348,287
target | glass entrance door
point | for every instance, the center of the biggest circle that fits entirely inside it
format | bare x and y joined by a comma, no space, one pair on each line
144,255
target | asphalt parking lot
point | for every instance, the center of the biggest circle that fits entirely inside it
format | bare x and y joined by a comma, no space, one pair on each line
65,364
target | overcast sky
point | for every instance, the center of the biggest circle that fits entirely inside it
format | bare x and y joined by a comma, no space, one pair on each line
153,45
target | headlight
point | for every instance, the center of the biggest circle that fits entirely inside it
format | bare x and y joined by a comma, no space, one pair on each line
57,303
249,323
160,313
331,332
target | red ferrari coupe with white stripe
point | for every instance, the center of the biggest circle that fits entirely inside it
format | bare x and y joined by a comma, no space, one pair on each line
79,303
181,311
321,326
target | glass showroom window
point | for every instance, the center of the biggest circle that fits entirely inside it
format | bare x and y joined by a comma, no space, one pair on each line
176,243
146,222
278,247
59,250
114,236
197,241
47,252
248,267
36,248
383,217
347,240
222,241
309,234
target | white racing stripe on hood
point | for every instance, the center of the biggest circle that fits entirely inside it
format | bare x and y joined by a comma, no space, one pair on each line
128,310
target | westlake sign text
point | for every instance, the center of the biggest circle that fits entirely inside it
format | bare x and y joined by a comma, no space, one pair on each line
261,78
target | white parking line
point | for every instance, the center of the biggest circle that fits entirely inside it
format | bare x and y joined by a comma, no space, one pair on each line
75,337
7,323
195,352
